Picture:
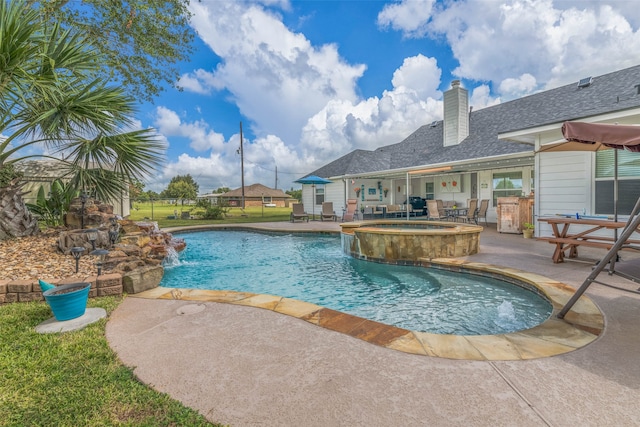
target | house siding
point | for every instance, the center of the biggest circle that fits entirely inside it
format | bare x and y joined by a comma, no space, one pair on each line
335,193
565,184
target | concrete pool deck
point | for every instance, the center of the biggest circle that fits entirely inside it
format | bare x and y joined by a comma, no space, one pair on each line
242,366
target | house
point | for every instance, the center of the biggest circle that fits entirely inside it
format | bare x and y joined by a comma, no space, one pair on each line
256,195
38,173
492,152
212,198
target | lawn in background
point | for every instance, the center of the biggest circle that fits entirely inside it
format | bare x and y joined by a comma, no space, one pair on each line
163,212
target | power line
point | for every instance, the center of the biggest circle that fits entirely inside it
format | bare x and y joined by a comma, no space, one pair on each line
274,170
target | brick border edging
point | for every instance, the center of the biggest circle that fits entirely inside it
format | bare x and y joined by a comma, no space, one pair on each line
29,290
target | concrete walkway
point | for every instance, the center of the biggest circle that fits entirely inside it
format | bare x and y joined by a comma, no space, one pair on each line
249,367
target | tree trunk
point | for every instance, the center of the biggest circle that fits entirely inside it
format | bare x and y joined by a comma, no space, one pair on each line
15,219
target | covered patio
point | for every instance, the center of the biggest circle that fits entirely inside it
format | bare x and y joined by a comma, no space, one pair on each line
404,193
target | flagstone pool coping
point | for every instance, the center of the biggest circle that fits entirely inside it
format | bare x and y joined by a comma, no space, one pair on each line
580,327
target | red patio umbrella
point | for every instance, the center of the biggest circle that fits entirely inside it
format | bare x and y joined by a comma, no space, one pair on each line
593,137
582,136
602,135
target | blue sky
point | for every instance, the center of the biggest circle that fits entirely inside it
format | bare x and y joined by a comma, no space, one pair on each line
313,80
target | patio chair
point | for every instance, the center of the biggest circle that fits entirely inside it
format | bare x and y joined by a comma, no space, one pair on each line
482,211
432,210
441,210
327,212
351,212
298,213
470,215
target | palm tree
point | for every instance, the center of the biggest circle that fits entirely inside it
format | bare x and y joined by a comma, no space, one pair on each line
50,98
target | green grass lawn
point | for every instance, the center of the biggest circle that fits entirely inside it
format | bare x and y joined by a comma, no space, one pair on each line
74,378
161,212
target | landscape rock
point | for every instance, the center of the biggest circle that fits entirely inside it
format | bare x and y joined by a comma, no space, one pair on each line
95,213
142,279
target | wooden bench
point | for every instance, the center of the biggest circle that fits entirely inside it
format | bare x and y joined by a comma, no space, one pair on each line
571,244
586,236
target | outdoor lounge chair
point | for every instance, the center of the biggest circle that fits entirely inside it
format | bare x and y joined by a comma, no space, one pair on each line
327,212
298,213
351,213
432,210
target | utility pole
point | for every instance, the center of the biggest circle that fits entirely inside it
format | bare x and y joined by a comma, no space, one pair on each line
242,164
276,186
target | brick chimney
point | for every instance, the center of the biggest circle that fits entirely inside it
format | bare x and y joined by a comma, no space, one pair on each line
456,114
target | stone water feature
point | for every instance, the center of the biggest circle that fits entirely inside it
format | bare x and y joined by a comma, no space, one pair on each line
94,214
139,249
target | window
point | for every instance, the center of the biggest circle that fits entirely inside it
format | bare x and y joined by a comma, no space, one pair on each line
628,164
628,181
430,190
319,195
506,184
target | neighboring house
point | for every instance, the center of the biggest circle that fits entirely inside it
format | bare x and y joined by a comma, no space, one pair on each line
43,172
256,195
491,152
211,197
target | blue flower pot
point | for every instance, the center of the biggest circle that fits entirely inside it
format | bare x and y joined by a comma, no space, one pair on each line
68,301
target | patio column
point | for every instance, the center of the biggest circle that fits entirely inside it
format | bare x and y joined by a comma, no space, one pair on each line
406,195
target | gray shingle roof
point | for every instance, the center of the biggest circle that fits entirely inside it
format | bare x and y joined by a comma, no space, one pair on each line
611,92
256,190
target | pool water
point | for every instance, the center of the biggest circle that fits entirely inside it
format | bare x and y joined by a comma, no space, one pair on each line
314,268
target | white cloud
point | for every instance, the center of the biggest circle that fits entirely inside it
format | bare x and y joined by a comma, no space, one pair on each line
201,137
342,125
275,76
410,16
220,165
526,83
304,94
420,74
481,98
199,81
367,124
555,42
302,100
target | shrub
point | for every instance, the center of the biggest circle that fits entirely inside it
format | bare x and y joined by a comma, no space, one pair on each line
215,212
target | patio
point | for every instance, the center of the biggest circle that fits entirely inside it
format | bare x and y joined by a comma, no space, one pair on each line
245,366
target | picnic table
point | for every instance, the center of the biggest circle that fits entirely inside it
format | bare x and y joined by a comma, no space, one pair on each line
565,239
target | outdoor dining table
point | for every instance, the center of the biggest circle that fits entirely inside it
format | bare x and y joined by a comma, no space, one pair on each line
565,239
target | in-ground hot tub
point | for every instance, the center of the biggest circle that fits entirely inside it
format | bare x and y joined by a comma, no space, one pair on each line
397,240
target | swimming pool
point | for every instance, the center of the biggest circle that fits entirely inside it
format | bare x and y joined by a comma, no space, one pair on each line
315,269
